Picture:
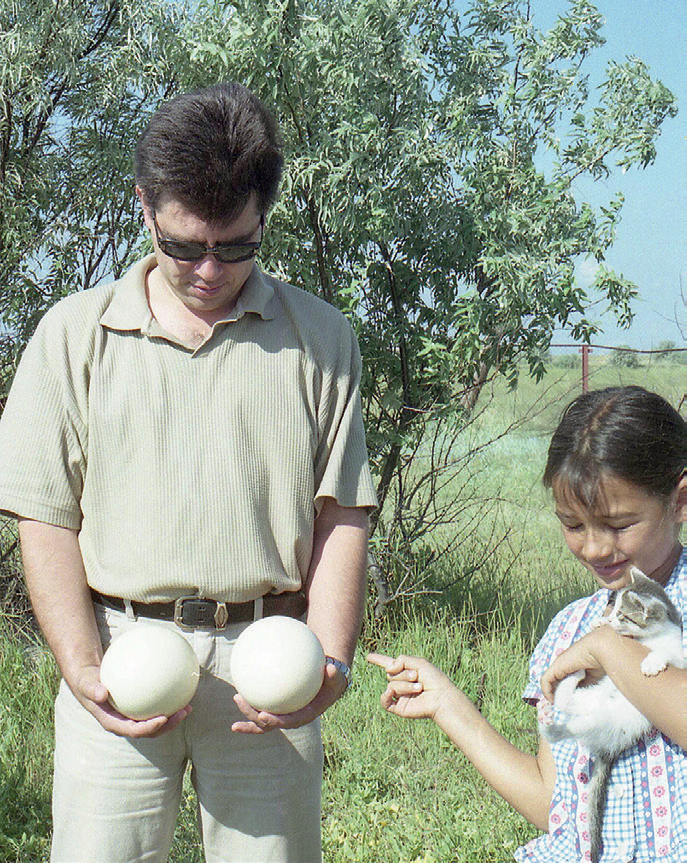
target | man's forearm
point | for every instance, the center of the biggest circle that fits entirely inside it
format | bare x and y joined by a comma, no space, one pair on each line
56,580
58,588
337,577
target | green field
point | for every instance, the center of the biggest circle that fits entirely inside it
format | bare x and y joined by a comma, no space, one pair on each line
395,791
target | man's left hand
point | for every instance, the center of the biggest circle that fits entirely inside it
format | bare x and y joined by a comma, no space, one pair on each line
260,722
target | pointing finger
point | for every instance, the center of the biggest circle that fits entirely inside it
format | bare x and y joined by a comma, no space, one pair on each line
381,660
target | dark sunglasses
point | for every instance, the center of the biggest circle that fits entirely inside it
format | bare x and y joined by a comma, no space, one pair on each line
226,253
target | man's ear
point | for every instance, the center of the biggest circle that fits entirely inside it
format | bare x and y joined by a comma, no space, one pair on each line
147,212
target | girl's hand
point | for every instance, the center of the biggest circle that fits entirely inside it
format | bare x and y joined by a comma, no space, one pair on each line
416,689
583,655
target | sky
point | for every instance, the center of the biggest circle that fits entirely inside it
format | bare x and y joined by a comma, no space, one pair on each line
651,240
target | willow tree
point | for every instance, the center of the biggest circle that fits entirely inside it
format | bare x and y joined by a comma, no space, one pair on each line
77,82
430,193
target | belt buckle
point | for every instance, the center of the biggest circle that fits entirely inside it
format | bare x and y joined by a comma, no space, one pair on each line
200,613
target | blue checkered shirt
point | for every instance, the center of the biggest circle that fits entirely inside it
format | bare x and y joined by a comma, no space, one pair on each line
646,809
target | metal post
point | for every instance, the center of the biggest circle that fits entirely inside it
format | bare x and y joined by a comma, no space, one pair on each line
585,368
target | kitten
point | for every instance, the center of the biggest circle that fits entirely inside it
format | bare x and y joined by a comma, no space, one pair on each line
599,716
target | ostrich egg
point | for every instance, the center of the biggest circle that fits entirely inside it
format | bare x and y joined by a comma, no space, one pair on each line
277,664
149,671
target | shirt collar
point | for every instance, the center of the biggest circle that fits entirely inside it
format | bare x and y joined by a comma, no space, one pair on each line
129,309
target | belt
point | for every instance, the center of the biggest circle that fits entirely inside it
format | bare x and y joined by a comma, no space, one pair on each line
193,612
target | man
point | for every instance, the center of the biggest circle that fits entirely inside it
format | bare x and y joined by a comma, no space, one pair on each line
184,448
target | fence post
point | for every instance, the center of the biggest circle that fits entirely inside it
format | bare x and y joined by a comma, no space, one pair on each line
585,349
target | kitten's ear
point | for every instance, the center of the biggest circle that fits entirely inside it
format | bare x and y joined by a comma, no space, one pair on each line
636,576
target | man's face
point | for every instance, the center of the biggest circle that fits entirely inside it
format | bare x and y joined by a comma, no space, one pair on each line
206,286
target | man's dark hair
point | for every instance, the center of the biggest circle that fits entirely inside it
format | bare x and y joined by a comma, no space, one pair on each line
629,432
209,150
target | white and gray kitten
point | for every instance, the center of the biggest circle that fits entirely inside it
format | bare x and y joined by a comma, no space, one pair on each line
599,716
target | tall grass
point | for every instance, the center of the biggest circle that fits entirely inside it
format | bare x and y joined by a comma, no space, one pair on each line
28,682
395,791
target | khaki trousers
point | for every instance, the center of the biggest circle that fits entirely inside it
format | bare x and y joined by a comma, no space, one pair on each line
115,800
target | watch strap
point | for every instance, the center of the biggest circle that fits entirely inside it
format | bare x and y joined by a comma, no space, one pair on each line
340,666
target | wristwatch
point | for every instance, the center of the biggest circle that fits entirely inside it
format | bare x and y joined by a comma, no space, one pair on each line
340,666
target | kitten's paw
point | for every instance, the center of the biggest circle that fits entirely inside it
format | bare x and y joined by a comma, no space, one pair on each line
653,664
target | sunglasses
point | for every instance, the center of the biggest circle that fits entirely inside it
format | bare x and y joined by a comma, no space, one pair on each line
226,253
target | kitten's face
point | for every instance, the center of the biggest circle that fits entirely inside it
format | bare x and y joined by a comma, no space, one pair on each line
637,615
626,528
641,609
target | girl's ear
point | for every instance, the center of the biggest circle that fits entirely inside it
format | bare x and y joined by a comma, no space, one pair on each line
681,504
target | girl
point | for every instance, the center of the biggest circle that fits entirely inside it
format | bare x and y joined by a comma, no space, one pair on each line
616,466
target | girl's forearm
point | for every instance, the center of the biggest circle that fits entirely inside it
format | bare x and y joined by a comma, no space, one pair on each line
524,781
662,698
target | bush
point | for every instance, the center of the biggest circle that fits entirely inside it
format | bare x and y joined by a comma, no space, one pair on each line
567,361
626,357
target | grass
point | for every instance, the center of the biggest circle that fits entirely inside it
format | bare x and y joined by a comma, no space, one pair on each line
394,790
28,683
414,797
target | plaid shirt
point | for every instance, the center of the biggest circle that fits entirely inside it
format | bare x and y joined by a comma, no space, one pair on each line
646,809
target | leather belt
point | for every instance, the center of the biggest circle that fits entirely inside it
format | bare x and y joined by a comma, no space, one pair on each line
194,612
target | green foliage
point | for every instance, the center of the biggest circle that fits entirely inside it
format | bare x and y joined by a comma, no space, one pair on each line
668,352
664,351
568,361
623,355
77,83
27,689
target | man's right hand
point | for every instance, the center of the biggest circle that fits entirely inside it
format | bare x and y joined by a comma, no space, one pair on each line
91,693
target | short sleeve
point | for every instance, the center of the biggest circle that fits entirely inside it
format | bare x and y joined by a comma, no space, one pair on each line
341,463
570,624
42,435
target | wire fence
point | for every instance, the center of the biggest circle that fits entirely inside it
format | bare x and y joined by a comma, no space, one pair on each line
623,355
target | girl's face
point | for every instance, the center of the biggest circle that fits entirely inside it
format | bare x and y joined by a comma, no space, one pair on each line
627,527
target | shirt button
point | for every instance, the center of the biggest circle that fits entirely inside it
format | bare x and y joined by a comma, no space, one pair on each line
618,791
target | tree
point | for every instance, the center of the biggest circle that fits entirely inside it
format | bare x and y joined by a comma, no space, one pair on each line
428,194
77,82
668,352
624,356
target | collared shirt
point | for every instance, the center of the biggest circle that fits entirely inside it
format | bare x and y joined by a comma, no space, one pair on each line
645,818
187,470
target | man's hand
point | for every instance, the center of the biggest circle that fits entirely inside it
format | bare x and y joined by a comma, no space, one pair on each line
91,693
260,722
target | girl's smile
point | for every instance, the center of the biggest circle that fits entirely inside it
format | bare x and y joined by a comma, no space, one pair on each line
627,527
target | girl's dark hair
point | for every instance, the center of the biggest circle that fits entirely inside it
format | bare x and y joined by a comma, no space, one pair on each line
626,431
209,150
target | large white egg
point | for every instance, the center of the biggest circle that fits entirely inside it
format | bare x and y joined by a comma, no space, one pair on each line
149,671
277,664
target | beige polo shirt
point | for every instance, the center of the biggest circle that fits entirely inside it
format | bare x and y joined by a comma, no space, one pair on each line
187,470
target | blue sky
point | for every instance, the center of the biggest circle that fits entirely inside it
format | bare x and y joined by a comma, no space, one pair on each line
651,243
